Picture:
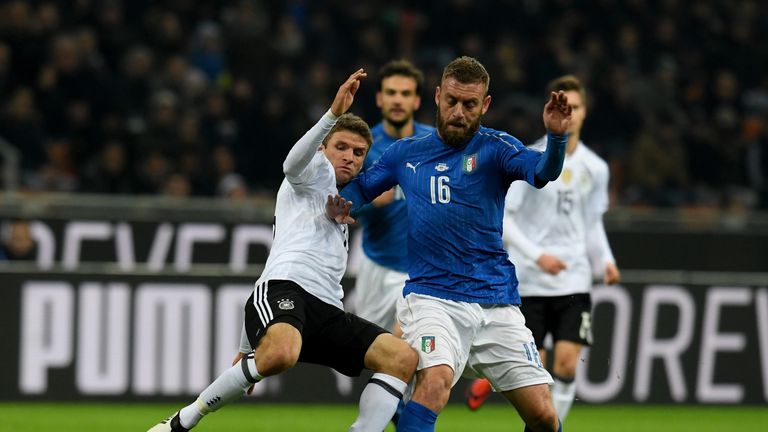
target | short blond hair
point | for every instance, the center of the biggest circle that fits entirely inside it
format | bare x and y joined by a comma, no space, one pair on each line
354,124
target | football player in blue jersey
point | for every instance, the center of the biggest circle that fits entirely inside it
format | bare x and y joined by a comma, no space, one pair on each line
383,267
461,307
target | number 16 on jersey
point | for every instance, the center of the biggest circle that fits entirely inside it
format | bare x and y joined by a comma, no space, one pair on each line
439,189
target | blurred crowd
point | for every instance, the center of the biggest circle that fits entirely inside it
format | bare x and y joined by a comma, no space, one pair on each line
195,97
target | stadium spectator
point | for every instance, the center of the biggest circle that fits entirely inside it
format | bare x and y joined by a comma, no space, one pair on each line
16,242
110,173
699,63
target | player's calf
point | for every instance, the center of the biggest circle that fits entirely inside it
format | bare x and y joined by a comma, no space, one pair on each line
394,363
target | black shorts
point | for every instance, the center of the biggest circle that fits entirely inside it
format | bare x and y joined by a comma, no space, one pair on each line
565,317
330,336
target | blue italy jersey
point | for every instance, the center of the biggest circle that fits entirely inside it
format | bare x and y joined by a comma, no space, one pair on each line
385,229
455,202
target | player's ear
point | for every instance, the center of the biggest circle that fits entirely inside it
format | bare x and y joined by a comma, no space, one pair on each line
486,103
417,103
378,98
437,95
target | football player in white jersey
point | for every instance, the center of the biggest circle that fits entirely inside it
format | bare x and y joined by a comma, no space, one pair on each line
555,237
295,313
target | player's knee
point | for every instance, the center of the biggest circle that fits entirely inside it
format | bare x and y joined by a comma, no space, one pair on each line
565,368
433,387
397,359
543,421
277,358
405,361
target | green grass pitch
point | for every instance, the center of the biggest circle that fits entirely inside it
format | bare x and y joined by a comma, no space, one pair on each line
87,417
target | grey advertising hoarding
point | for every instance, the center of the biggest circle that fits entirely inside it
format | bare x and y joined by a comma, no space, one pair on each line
179,245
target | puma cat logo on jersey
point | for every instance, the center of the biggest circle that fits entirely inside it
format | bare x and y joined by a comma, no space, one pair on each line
412,166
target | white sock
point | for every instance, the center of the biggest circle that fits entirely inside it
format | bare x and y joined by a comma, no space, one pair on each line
229,386
378,403
563,393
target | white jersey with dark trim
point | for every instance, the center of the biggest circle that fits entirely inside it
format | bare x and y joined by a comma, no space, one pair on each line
308,247
556,220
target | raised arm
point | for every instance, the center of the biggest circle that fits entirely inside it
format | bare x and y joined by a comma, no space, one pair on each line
557,120
304,150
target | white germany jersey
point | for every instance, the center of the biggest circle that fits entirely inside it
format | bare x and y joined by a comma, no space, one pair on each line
308,247
555,220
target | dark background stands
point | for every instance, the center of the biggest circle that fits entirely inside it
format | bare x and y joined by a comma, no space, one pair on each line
186,97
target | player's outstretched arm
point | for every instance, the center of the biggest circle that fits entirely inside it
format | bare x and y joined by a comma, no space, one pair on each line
304,150
557,120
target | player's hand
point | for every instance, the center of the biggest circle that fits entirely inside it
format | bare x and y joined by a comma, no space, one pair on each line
346,93
557,113
551,264
337,209
612,274
237,358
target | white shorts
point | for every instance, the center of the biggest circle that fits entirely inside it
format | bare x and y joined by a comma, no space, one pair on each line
476,341
377,289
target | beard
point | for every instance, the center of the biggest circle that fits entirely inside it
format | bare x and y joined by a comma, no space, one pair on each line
397,124
456,138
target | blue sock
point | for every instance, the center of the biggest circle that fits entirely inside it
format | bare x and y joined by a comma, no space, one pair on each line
416,418
398,412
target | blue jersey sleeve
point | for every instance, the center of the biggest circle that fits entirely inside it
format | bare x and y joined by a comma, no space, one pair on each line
551,163
372,182
518,161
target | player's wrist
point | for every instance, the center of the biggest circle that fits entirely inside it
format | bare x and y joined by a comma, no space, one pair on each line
330,116
556,137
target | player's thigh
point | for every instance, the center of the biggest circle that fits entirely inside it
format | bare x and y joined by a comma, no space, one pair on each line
337,339
504,352
441,331
279,348
274,301
573,315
